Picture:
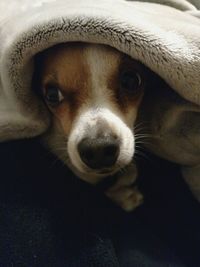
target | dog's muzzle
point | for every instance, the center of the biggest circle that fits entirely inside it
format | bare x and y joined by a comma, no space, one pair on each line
100,144
99,153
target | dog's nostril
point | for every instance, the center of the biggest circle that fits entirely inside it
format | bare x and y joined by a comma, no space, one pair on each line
111,150
99,153
87,154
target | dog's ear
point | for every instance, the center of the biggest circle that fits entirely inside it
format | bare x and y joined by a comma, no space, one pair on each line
37,73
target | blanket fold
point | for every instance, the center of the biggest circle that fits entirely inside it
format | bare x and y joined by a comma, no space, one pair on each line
165,39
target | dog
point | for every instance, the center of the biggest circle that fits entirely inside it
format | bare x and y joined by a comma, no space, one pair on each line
93,93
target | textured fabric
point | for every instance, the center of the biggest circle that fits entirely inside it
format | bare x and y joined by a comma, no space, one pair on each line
50,218
163,38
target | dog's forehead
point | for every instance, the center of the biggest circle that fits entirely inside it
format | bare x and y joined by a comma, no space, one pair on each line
77,66
62,57
104,57
65,65
73,56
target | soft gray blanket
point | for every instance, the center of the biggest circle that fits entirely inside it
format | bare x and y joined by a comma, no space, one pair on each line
164,38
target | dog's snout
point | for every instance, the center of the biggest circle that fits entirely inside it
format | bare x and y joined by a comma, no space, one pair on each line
99,153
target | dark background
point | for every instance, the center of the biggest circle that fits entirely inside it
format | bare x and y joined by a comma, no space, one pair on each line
48,217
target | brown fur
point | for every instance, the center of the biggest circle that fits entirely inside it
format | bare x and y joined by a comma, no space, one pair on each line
65,67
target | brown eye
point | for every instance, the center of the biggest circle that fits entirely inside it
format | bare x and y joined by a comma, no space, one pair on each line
53,95
130,81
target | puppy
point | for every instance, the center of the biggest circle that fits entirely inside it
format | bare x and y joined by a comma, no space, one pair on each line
93,93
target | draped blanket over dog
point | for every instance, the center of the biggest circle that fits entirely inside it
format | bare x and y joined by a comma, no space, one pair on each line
164,35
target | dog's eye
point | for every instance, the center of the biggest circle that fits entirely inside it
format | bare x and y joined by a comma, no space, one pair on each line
130,81
53,95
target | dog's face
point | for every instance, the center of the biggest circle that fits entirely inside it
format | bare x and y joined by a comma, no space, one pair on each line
93,93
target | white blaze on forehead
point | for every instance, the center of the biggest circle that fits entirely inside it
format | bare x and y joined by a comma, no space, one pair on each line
103,62
100,112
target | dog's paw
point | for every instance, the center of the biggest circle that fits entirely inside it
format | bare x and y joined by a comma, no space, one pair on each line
128,198
123,192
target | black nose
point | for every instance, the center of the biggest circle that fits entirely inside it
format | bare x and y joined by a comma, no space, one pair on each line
99,153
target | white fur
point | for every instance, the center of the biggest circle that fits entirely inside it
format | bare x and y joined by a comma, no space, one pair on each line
100,111
90,119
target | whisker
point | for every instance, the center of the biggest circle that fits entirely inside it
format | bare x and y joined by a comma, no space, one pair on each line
141,128
142,137
143,143
143,123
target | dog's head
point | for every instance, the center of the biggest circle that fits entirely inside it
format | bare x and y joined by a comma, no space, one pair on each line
93,93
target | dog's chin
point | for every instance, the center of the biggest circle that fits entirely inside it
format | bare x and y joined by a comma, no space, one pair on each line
101,174
92,176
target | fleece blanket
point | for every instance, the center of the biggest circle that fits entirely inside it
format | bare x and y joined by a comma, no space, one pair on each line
163,35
